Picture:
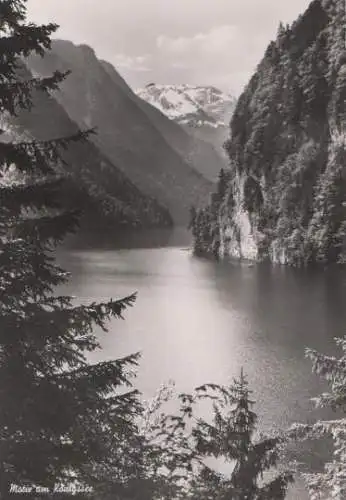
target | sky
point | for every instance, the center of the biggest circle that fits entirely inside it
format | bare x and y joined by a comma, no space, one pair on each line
205,42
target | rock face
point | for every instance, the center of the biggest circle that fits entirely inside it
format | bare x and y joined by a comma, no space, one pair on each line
95,184
286,196
92,97
203,111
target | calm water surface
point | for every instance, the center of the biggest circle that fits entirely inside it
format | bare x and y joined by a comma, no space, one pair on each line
197,321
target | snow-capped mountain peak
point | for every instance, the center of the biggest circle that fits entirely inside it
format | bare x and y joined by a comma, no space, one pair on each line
190,105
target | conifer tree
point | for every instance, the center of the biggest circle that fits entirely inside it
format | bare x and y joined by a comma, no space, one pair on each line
222,184
202,231
192,218
58,413
331,482
229,436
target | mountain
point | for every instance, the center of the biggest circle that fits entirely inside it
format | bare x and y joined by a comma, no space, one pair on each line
285,197
125,134
190,104
95,184
204,111
199,154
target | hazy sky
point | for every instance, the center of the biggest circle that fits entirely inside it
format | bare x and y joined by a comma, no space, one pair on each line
215,42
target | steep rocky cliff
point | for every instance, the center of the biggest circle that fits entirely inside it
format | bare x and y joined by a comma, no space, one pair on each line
125,134
286,194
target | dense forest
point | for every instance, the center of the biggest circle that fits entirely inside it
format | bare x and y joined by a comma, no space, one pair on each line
69,428
286,197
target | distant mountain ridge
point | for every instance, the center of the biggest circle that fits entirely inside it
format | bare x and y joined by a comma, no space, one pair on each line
201,109
190,104
94,95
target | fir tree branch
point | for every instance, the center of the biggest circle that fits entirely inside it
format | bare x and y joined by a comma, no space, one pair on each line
39,157
37,195
47,230
24,40
17,95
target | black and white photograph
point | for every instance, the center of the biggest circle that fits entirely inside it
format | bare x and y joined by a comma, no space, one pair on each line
172,250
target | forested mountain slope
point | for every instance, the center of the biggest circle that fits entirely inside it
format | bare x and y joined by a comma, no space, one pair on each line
125,135
107,197
285,198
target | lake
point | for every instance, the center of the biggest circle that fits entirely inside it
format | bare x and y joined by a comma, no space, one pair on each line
197,321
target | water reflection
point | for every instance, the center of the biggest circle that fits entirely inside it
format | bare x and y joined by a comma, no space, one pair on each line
283,312
197,320
128,239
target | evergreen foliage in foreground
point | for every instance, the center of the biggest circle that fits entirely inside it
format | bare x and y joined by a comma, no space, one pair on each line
58,414
229,437
331,482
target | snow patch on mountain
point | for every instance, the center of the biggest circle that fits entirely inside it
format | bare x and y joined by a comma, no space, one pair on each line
192,105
